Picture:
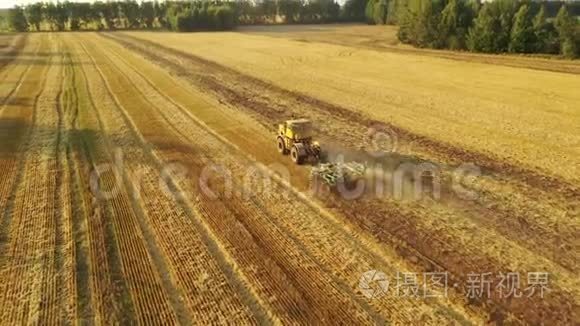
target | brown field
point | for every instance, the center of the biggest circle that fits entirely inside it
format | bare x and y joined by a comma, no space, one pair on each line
141,182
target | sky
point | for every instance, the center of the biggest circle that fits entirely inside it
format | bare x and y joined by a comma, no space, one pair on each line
11,3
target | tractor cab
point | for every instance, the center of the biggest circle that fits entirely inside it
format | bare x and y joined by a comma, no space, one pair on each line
295,137
297,130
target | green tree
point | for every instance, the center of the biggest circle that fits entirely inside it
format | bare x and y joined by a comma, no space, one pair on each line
75,14
566,26
85,13
380,12
204,16
50,13
309,12
481,37
56,15
370,12
329,11
353,10
540,29
376,12
223,17
426,34
504,12
420,22
245,12
546,35
448,24
522,37
491,30
456,18
290,9
160,12
34,14
268,10
17,20
147,11
107,11
393,12
130,12
406,18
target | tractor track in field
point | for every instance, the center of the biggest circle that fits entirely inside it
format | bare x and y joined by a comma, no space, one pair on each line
84,303
21,69
10,177
30,253
18,83
6,58
380,220
63,197
187,238
260,236
50,302
143,288
144,231
212,81
102,292
14,144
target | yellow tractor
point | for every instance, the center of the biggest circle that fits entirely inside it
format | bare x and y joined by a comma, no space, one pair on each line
295,137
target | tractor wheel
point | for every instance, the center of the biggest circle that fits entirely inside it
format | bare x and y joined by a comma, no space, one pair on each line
296,155
281,146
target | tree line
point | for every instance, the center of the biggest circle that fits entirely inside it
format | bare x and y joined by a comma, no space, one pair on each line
288,11
192,16
74,16
178,15
496,26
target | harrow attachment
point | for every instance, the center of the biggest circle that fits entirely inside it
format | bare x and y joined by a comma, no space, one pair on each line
330,174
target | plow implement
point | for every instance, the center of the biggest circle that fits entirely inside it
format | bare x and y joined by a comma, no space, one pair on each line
331,174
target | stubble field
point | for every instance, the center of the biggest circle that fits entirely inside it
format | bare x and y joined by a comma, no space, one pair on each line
141,184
